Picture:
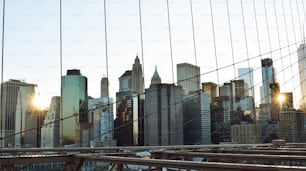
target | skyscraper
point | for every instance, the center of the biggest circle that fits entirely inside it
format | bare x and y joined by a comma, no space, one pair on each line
220,120
164,114
137,77
9,98
246,74
188,76
26,118
301,52
267,79
74,108
197,127
130,110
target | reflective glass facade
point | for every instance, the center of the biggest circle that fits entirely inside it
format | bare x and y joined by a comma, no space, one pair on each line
74,106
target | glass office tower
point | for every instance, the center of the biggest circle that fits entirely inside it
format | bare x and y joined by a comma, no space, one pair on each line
74,107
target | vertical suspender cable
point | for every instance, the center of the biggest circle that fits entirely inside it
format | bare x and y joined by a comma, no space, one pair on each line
295,40
61,74
171,55
287,37
2,65
141,38
268,28
279,42
194,41
214,39
258,42
303,11
257,32
299,17
246,43
231,37
106,61
170,40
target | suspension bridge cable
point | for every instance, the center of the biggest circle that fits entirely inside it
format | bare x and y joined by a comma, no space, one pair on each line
2,70
106,57
216,70
141,39
175,103
267,23
303,5
61,73
170,40
284,14
256,24
214,40
231,37
299,17
193,35
246,44
172,66
258,42
293,27
278,35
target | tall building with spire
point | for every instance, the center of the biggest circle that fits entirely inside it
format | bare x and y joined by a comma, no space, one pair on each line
155,78
164,113
137,77
130,107
74,108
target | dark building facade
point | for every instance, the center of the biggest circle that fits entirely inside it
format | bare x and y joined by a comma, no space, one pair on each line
130,107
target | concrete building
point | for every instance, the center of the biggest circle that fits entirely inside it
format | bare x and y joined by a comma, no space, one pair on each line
163,117
50,131
74,127
104,87
188,76
220,119
9,98
245,133
235,90
196,118
247,75
211,89
291,125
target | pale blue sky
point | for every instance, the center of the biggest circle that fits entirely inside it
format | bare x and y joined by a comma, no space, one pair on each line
31,49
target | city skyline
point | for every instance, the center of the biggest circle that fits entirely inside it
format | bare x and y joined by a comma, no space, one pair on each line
34,31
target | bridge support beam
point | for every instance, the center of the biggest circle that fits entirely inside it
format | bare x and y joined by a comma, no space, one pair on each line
74,165
9,168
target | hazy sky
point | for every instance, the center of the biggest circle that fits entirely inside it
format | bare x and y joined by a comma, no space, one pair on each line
31,49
